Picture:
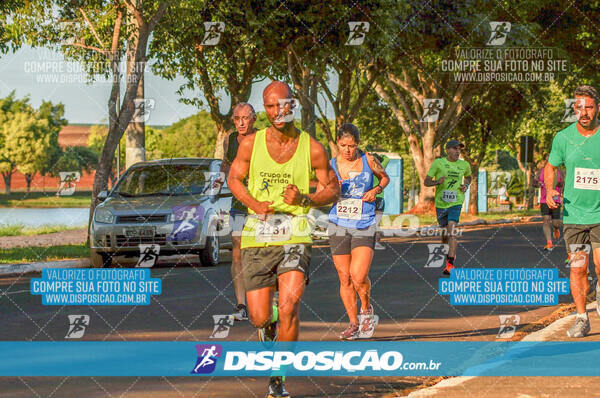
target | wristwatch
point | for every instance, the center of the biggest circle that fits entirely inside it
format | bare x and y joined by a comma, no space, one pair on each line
305,202
379,189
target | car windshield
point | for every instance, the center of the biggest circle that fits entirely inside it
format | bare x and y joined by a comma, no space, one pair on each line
166,179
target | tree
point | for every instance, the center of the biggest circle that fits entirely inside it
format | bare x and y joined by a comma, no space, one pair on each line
194,136
76,158
29,138
8,32
489,120
355,66
25,145
226,69
55,116
93,33
9,106
96,141
414,72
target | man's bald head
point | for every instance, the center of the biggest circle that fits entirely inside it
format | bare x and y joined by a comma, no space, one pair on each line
278,87
279,105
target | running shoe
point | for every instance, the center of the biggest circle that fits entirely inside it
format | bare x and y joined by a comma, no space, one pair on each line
549,247
597,299
241,313
367,323
556,234
268,333
351,332
379,246
276,388
580,328
448,268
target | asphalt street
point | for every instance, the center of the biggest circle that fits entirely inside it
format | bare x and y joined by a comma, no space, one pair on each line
404,295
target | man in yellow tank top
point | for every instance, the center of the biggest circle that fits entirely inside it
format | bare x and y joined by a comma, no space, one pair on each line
276,243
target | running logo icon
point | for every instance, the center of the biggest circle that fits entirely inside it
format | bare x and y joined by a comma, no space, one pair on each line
578,255
358,31
148,256
287,107
222,325
68,181
212,33
214,181
291,256
142,108
355,185
437,255
432,107
367,325
265,186
508,326
570,115
499,33
207,358
187,219
67,30
77,325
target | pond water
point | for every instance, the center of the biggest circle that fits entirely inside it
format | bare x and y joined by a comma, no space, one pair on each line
38,217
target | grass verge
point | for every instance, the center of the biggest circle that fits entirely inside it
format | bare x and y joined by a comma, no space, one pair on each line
21,230
45,199
428,219
36,254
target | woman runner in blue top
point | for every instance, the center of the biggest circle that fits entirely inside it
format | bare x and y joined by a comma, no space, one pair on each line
352,228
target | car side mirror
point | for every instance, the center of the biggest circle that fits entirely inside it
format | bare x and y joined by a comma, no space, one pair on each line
102,195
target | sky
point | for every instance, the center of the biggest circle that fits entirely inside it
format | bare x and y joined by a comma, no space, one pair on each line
43,74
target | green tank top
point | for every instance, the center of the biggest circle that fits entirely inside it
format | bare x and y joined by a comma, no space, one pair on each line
267,180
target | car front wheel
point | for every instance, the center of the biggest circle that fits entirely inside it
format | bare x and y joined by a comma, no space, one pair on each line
209,257
100,259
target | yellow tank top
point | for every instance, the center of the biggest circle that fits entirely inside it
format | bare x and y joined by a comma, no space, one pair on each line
267,180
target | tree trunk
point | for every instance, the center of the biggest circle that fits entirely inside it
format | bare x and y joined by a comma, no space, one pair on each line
7,179
422,158
222,132
120,116
120,122
530,189
473,192
307,107
28,178
135,148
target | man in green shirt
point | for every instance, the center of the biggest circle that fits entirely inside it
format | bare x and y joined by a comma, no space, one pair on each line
576,147
447,175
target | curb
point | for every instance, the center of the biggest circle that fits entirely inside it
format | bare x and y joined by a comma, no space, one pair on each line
19,269
540,335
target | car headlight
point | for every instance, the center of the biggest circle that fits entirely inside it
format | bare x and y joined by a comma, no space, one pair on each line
104,216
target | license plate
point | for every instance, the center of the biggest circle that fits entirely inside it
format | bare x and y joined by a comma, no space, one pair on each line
140,232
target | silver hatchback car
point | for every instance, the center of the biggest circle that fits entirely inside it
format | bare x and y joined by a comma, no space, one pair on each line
163,207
